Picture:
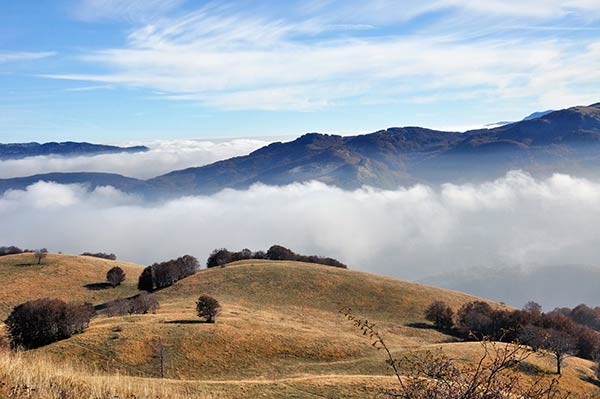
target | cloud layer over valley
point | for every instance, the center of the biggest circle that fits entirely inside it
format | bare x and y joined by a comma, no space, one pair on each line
164,156
409,233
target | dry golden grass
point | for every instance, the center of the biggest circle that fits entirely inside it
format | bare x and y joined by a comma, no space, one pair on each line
60,276
279,335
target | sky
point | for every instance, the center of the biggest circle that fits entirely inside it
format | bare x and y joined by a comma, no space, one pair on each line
114,71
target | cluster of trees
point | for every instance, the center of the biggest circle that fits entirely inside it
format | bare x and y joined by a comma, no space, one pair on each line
143,303
427,374
582,314
165,274
43,321
553,332
220,257
101,255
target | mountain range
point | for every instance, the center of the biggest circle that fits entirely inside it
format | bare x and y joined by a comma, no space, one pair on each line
69,148
567,141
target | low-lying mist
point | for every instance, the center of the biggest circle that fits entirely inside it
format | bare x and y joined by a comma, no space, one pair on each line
411,232
164,156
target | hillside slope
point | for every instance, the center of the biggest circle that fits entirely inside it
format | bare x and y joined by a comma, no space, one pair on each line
67,277
279,334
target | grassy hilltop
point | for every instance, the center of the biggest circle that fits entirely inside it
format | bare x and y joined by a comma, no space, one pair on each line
279,335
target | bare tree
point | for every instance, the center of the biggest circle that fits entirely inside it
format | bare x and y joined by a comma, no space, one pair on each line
40,255
160,353
559,345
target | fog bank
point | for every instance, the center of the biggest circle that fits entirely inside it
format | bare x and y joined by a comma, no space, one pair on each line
164,156
411,232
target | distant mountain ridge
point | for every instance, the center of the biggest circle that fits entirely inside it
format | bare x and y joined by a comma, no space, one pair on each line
560,141
68,148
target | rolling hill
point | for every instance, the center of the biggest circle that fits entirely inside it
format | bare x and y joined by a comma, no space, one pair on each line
561,141
279,334
67,277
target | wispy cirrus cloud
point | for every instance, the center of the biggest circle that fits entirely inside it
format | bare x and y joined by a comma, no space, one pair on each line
226,57
17,56
130,10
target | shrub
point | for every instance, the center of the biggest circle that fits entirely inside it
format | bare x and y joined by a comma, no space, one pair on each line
43,321
117,307
115,276
143,303
208,308
101,255
441,315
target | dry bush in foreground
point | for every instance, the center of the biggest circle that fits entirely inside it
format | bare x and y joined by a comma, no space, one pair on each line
433,375
34,377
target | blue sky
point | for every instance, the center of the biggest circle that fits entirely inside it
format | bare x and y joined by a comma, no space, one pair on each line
112,70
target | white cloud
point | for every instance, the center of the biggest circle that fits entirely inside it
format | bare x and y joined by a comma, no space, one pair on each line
223,58
16,56
411,232
164,156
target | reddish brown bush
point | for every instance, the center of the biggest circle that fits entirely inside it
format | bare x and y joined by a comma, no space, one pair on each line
43,321
115,276
208,307
441,315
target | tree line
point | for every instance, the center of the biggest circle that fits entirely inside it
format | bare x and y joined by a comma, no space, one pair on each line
100,255
164,274
13,250
553,332
222,256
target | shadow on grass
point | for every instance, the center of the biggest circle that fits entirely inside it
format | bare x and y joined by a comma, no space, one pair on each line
423,326
97,286
591,380
186,322
29,264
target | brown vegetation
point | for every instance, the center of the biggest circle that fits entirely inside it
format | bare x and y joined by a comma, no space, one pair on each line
165,274
222,256
115,276
208,308
43,321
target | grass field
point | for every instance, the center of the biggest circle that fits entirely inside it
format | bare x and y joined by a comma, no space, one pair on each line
279,335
